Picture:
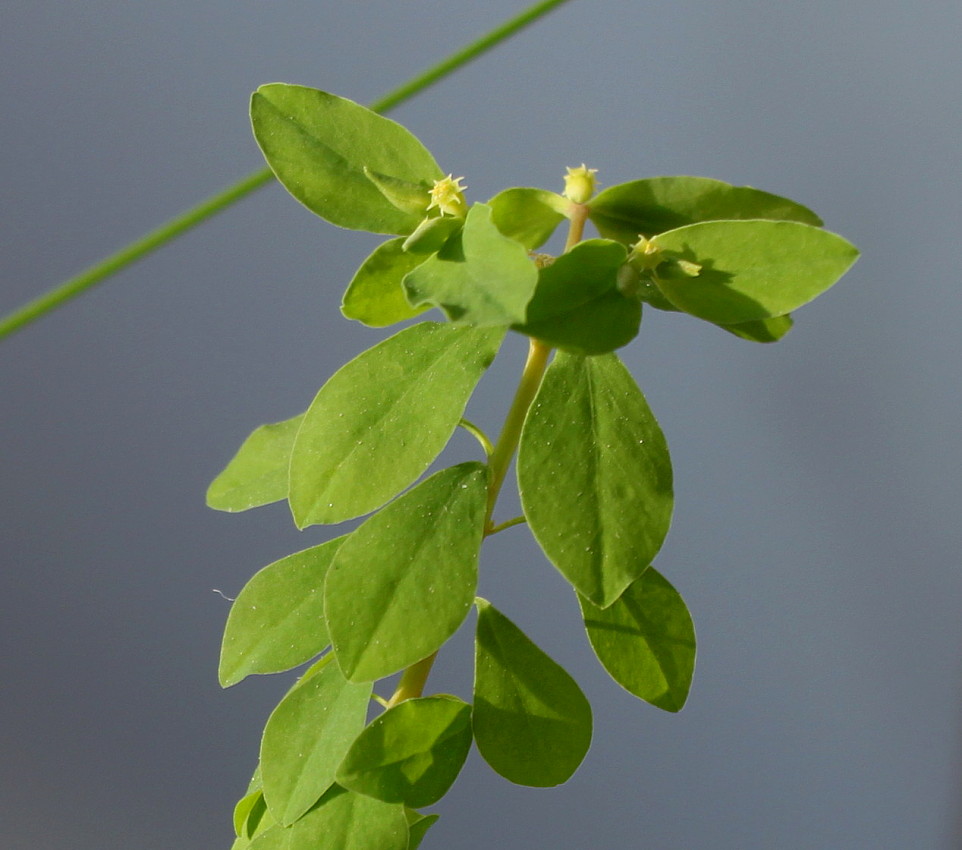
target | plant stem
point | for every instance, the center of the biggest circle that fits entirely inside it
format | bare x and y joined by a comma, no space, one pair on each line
412,681
189,219
576,225
504,449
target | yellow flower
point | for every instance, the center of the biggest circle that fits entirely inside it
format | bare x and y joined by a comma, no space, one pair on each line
580,184
447,195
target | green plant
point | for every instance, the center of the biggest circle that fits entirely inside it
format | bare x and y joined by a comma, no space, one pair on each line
593,469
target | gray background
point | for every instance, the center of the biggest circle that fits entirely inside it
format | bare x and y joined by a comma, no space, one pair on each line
816,537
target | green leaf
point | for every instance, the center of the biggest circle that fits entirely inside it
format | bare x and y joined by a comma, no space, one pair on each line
375,296
645,640
762,330
318,145
418,825
432,234
658,204
258,474
750,269
306,737
528,216
578,307
381,420
484,278
243,809
532,723
277,620
341,820
410,754
595,475
403,582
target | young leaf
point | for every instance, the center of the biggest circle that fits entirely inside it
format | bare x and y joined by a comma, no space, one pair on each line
658,204
595,475
306,737
528,216
418,825
646,641
577,306
277,620
750,269
484,278
410,754
318,145
258,474
381,420
403,582
375,296
532,723
341,820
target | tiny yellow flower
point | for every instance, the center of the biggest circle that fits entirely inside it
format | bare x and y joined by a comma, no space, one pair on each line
580,184
645,254
447,195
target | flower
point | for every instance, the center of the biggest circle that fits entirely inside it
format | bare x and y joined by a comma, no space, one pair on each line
580,184
447,195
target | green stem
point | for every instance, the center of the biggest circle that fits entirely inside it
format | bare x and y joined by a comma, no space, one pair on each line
189,219
412,681
500,460
478,434
511,523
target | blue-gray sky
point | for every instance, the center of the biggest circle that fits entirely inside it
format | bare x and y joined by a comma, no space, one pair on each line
816,536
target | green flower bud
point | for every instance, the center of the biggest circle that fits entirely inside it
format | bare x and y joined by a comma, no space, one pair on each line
447,195
580,184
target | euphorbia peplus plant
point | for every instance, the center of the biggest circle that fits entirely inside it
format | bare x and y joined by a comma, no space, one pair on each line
593,469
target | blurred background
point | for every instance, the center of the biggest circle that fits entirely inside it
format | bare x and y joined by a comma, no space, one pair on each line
816,537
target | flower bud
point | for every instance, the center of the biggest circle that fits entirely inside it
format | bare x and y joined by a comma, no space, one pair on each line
447,195
580,184
645,255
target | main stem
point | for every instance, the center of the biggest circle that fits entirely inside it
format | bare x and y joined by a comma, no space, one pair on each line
415,677
49,301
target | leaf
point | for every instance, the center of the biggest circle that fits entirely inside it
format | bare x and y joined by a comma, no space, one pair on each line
318,145
658,204
762,330
403,582
410,754
418,825
381,420
750,269
484,278
595,475
528,216
341,820
532,723
277,620
375,296
258,474
645,640
577,306
432,234
306,737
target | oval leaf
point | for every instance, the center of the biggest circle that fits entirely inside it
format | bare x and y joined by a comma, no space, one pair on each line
403,582
381,420
258,474
658,204
306,737
532,723
318,145
750,269
277,620
375,296
482,278
577,306
341,820
595,475
410,754
645,640
418,825
528,216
